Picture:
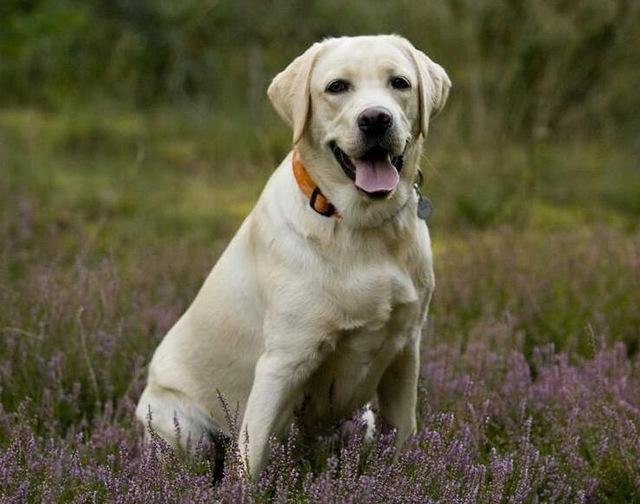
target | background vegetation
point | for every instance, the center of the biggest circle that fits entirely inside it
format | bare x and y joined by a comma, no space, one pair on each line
135,135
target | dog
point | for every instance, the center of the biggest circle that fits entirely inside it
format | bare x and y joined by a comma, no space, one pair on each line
316,306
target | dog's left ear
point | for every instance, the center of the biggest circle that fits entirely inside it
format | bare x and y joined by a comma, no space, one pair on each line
434,84
289,91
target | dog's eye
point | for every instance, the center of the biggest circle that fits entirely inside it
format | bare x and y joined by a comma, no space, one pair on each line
337,86
400,83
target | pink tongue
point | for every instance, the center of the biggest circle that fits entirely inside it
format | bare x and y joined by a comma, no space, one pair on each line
374,176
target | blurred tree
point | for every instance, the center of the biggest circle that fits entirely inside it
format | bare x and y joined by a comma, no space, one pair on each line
520,68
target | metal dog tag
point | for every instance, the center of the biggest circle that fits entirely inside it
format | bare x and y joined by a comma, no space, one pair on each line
424,207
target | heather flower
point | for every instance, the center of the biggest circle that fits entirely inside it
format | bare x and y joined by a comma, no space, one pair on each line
500,419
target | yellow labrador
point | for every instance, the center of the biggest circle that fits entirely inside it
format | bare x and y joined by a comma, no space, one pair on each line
317,304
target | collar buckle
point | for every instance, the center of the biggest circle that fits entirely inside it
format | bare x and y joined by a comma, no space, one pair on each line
317,201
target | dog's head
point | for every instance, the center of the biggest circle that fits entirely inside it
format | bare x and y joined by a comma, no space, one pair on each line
357,106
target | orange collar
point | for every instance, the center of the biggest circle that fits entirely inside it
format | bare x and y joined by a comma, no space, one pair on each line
317,200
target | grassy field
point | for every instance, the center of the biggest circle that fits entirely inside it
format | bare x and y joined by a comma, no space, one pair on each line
112,218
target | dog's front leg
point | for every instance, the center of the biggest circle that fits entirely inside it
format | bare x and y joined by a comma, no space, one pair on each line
280,374
398,391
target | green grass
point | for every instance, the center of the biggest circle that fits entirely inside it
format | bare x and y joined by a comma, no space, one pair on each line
514,224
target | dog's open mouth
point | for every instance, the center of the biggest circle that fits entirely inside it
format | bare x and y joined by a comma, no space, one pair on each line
376,173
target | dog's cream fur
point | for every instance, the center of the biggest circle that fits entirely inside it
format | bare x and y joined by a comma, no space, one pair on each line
303,312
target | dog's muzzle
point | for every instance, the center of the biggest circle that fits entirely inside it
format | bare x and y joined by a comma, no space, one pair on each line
376,172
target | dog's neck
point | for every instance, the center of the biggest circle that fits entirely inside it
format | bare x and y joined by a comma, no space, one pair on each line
317,201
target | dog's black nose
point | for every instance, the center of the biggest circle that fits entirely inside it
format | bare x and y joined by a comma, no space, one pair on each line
375,121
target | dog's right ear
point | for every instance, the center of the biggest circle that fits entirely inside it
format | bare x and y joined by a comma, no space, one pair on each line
289,91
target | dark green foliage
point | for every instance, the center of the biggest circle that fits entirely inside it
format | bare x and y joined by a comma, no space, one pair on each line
531,69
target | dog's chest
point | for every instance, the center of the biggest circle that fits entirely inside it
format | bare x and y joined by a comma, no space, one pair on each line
369,295
381,308
368,286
